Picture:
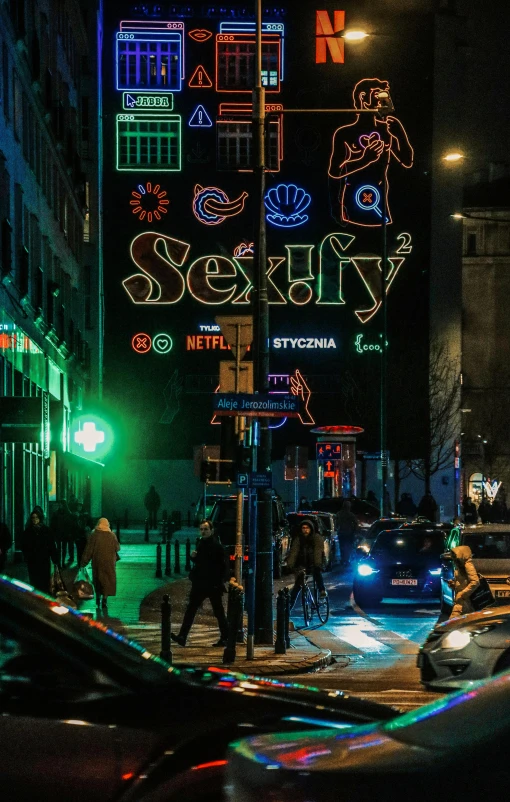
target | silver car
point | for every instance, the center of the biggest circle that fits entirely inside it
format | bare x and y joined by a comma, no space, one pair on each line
465,649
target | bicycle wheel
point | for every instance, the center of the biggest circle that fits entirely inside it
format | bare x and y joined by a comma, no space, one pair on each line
321,604
307,600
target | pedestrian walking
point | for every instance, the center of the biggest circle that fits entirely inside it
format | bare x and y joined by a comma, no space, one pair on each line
347,526
406,506
84,525
5,544
465,580
152,505
469,511
427,507
102,549
63,529
306,554
208,575
39,550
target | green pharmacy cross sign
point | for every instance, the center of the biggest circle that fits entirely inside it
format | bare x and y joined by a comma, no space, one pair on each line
92,436
89,437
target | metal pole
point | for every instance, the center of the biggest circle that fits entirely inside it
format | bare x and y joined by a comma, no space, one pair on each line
159,572
238,563
252,571
166,612
384,360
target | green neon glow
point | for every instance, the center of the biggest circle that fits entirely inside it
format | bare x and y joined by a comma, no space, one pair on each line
149,142
338,243
91,436
156,101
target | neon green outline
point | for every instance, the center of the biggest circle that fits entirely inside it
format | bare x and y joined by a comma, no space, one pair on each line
344,241
168,119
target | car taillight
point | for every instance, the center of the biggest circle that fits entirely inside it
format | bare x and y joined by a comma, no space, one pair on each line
232,558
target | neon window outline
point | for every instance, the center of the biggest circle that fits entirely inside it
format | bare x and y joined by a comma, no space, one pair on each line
125,123
204,121
287,195
267,27
246,40
128,105
239,114
157,203
208,202
143,61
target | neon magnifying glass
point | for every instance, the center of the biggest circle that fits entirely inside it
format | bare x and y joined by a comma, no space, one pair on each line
368,198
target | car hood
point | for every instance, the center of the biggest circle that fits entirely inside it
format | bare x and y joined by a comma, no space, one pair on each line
499,568
485,616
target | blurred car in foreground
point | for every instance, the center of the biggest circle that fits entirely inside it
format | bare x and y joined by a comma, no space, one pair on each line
402,563
490,545
465,649
367,537
365,512
453,750
324,524
87,715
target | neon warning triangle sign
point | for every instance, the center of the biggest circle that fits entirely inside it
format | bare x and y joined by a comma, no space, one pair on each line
200,118
200,79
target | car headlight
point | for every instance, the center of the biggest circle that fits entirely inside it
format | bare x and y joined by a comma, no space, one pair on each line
458,639
366,570
435,571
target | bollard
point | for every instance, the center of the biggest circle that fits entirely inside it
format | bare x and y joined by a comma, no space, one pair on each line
286,593
164,530
188,555
118,530
166,612
177,562
146,530
168,559
280,646
235,620
159,572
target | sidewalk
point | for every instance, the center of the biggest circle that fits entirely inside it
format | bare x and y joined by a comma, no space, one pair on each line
136,612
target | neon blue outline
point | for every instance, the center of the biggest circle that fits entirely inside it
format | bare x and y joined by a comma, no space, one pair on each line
272,199
144,36
374,206
207,124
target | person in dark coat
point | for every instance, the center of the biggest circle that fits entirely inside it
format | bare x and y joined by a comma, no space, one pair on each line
5,544
152,504
64,530
39,550
102,547
209,572
372,498
347,525
306,554
469,511
406,506
428,507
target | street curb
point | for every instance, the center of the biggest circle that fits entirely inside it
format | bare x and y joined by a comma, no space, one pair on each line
321,660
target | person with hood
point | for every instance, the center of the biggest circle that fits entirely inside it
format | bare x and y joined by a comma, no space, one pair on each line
427,507
210,571
465,580
347,526
102,547
306,554
39,550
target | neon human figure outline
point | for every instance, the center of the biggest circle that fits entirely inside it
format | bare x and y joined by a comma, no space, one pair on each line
149,201
286,204
212,205
361,153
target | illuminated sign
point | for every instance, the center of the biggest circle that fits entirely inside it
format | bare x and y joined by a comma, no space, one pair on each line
17,341
206,342
286,204
361,153
200,34
141,343
149,200
244,248
304,342
235,52
215,280
267,27
89,437
212,206
150,55
325,38
134,101
262,405
200,118
235,137
160,343
363,347
148,142
200,79
300,389
328,451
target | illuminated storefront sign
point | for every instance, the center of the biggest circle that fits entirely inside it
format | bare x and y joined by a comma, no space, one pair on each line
363,347
132,101
206,342
12,339
258,405
326,38
304,342
91,435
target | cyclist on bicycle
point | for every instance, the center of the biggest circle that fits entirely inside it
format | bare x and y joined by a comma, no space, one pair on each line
306,554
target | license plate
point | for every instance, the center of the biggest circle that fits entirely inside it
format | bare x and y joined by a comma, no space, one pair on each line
404,581
502,594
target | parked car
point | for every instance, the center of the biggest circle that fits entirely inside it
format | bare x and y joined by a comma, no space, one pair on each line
203,508
325,525
367,537
223,517
453,750
86,714
403,562
465,649
490,545
365,512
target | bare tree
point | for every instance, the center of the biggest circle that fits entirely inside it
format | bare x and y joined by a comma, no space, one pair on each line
444,404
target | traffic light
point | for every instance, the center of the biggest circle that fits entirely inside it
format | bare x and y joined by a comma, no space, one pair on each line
244,459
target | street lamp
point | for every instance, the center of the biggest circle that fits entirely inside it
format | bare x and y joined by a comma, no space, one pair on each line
453,156
355,35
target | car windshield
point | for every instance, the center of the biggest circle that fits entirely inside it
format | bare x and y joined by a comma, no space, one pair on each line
489,546
398,543
381,526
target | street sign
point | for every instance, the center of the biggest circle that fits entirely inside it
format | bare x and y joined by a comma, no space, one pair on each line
328,451
261,479
237,331
228,377
243,480
260,405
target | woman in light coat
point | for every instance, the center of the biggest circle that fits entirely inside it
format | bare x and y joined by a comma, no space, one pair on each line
465,580
102,547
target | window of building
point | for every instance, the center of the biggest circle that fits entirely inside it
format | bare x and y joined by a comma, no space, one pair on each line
17,107
38,288
150,144
471,243
150,64
6,245
6,81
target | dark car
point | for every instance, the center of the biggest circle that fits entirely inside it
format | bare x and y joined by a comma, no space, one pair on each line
367,536
403,562
490,545
203,508
325,525
365,512
465,649
453,750
223,517
87,715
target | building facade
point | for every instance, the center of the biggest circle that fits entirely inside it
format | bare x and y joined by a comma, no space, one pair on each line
50,271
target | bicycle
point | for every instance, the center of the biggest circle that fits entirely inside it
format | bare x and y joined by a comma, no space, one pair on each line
312,600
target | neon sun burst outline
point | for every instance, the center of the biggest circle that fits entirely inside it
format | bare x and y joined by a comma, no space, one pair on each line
157,201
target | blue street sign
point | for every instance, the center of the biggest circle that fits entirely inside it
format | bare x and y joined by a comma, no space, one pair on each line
262,405
242,480
261,479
